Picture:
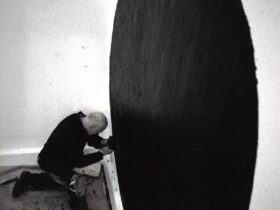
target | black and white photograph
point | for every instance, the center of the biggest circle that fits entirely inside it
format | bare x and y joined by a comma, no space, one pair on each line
139,105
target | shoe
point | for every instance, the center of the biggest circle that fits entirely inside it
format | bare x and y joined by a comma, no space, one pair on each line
22,184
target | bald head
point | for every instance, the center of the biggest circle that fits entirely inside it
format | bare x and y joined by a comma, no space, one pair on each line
95,122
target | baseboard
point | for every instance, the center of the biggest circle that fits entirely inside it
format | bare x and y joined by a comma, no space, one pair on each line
18,157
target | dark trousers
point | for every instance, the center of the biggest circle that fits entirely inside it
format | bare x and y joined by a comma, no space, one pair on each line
54,176
42,181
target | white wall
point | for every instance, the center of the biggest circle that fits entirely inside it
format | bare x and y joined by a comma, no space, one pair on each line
54,60
264,17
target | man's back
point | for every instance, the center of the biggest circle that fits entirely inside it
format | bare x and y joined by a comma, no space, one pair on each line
66,143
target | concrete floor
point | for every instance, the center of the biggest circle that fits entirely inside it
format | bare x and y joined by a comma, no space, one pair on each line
96,197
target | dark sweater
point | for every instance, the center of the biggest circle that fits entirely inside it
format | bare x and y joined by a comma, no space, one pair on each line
64,148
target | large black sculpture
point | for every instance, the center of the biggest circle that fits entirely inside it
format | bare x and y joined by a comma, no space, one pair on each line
184,104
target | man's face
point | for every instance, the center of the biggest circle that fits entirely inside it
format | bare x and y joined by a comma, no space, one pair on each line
96,127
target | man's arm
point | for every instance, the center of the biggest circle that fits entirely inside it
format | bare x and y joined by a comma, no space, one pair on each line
95,141
89,159
92,158
98,142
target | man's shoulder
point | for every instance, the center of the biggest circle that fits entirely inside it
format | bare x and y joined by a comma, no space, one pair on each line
71,121
73,116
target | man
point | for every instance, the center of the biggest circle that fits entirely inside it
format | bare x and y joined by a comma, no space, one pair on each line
63,151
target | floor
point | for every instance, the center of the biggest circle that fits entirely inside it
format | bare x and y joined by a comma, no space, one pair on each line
96,197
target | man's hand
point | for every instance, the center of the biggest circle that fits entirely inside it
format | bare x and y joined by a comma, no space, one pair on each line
108,142
104,141
106,150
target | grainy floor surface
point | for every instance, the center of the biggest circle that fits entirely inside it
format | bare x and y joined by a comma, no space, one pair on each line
52,199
